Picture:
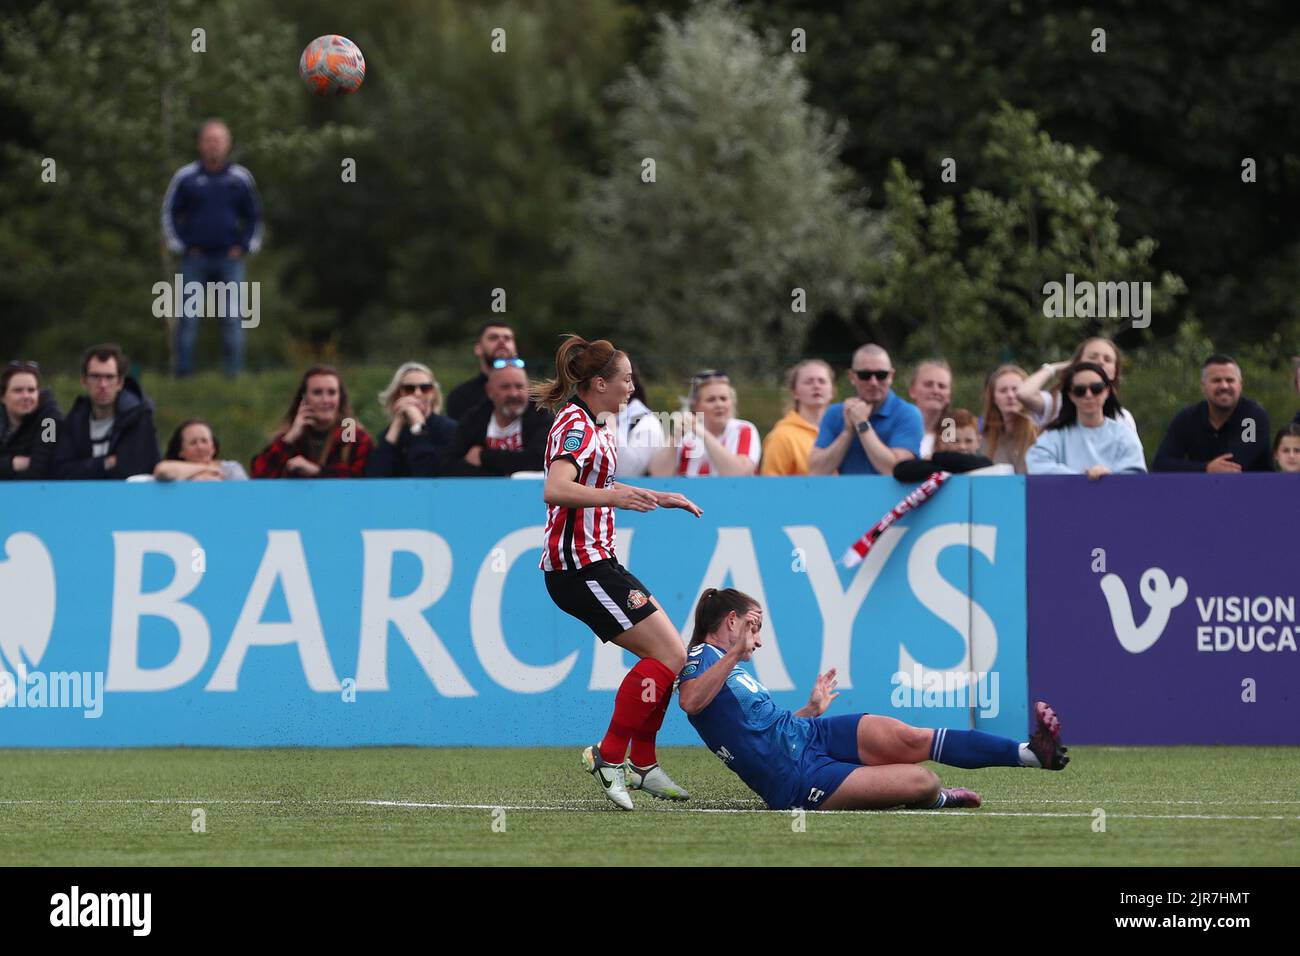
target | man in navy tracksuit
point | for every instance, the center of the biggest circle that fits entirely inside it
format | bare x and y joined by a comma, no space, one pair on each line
211,216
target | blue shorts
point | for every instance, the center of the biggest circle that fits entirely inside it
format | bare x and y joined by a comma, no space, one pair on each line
831,755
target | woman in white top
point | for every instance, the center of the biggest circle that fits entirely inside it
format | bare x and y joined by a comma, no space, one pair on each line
1087,437
638,431
1043,406
930,390
192,456
711,441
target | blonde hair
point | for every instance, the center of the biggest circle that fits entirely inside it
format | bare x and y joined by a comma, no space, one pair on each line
792,379
390,390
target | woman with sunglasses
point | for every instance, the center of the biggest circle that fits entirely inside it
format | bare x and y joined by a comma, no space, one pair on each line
29,423
593,380
711,441
418,434
1087,436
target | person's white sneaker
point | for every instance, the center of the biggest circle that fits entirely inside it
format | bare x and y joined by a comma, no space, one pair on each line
654,781
610,776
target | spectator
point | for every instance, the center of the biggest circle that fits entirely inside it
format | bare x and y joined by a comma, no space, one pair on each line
417,438
1222,434
1286,448
211,216
639,433
1043,406
192,455
712,441
931,391
29,423
869,434
503,434
810,385
1008,432
109,433
319,438
956,449
1087,437
494,348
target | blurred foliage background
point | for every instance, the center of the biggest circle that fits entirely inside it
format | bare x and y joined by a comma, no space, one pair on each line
797,145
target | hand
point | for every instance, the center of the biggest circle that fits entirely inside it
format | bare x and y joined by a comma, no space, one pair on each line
823,692
210,473
1223,465
688,425
742,649
1096,471
110,462
302,420
672,499
298,465
855,412
475,456
235,253
634,499
20,462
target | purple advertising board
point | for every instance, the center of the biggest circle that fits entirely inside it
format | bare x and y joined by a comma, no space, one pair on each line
1162,608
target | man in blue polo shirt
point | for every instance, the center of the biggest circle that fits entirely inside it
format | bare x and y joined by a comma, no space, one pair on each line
871,433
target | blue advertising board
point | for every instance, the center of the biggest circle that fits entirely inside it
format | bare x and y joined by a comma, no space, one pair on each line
343,613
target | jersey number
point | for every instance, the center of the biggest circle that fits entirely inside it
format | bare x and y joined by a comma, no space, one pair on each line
749,682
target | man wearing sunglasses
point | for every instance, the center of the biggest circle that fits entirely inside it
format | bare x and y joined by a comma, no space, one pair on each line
494,348
871,432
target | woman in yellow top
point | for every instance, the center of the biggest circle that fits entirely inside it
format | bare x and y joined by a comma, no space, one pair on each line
786,448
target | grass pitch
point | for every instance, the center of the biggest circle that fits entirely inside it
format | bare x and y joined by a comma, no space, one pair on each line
1216,806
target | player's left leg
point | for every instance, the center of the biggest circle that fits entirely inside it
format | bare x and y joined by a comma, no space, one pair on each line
884,740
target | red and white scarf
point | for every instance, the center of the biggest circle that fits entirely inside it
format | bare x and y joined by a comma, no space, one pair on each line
914,499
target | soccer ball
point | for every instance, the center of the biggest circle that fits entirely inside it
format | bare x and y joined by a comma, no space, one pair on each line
332,66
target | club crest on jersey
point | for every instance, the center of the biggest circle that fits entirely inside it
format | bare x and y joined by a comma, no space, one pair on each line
573,439
636,600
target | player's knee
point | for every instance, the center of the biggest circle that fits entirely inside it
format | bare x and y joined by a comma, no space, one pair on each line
926,785
915,742
673,657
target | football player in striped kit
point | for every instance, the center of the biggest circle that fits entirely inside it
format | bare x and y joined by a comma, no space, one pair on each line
583,576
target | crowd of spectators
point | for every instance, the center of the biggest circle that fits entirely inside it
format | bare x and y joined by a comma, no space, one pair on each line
1065,418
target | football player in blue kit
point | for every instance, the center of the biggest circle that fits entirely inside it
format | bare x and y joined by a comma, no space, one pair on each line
805,760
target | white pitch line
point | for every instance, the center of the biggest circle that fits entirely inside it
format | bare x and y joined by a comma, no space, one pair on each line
947,813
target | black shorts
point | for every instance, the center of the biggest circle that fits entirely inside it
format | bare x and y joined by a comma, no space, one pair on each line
604,595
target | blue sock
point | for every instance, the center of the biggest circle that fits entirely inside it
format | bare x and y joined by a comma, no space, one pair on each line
971,749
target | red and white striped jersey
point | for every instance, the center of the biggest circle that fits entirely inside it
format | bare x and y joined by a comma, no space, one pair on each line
577,537
739,437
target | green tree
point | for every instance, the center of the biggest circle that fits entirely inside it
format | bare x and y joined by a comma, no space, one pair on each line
975,280
749,203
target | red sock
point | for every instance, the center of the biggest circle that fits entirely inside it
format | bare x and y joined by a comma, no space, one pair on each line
645,690
643,740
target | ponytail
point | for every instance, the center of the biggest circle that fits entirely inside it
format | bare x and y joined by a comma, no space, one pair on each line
713,608
577,362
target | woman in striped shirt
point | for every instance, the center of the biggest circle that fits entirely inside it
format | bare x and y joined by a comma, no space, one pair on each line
583,576
711,441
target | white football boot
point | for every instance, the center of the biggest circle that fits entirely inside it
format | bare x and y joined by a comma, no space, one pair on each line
610,776
654,781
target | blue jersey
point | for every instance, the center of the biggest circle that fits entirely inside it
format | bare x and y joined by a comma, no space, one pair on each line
761,742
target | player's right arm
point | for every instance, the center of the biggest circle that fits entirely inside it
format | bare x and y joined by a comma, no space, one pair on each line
563,490
696,690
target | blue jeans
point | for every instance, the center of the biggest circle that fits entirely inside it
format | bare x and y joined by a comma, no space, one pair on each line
205,268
